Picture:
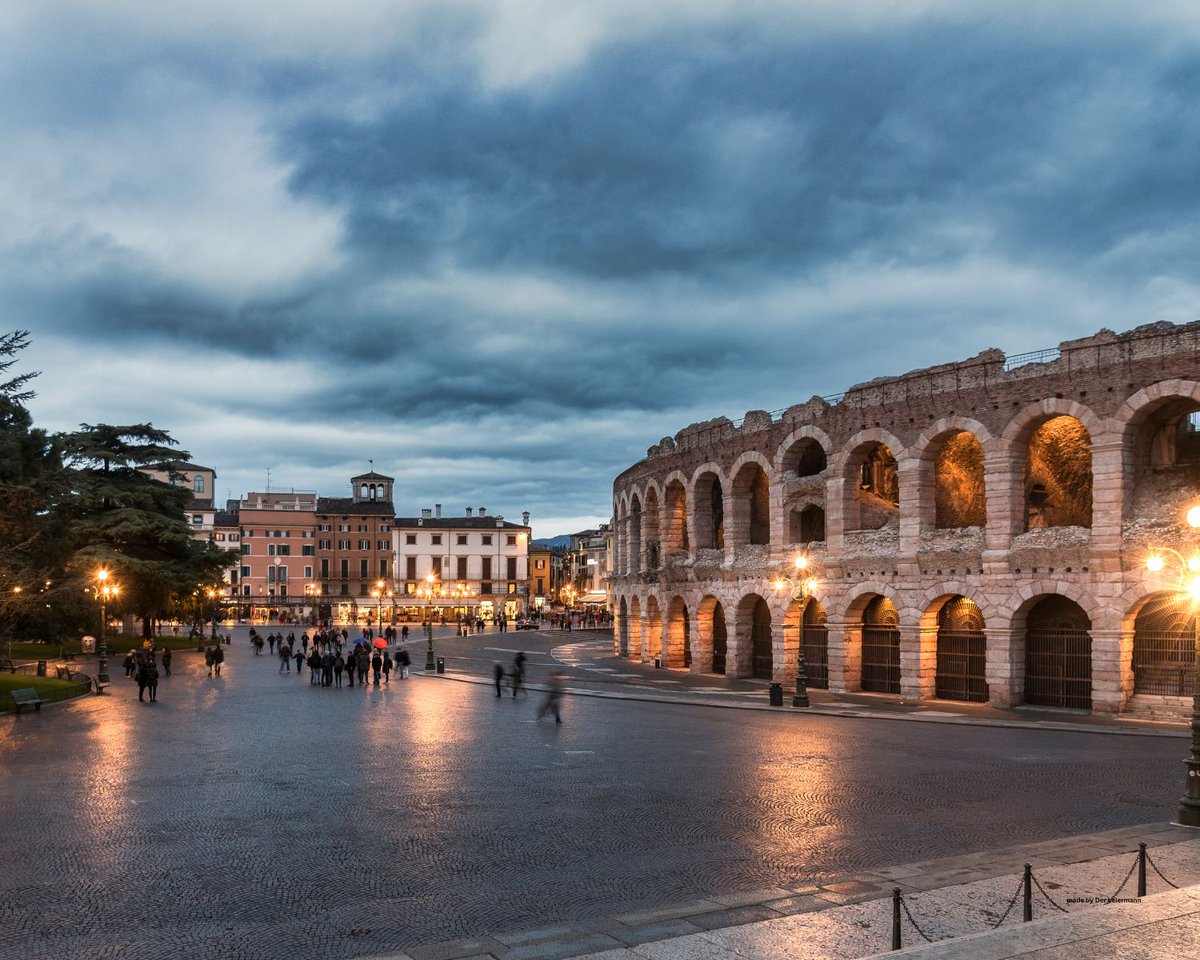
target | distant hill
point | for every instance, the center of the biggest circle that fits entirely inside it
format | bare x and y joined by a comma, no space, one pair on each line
560,542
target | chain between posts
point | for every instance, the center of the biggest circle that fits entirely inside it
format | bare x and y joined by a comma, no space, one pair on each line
904,907
1049,899
1132,867
1149,860
1011,903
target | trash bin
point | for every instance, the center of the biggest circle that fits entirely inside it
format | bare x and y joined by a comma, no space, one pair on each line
41,668
441,664
777,694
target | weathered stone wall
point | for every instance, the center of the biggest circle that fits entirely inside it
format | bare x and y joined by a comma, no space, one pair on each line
962,527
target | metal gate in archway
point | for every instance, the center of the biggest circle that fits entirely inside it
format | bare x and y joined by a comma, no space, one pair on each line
1058,655
961,652
1164,648
881,647
687,639
815,638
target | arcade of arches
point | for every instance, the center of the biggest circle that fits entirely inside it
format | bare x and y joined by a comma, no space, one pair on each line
981,541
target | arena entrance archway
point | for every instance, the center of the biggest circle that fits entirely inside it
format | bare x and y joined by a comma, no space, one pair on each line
1058,654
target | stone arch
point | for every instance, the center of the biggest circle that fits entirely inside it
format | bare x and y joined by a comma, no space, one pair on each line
1163,653
754,651
623,628
951,454
652,634
634,539
708,510
1058,653
675,500
803,453
678,645
637,638
651,529
1058,475
806,524
749,519
880,625
957,624
1012,448
1160,441
871,475
712,635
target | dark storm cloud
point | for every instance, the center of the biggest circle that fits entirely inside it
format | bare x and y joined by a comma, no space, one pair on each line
691,154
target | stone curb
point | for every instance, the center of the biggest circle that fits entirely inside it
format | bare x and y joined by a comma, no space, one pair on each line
855,714
564,939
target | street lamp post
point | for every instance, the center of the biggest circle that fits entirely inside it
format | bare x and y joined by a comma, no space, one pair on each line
104,590
1188,583
428,591
799,587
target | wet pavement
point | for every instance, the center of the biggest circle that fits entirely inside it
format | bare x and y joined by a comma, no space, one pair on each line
257,816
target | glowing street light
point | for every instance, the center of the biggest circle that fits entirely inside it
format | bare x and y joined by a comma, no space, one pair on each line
104,591
799,587
1188,583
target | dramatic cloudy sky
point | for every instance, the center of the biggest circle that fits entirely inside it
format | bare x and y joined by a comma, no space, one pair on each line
501,247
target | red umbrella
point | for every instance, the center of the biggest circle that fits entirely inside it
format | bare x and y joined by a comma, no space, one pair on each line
380,643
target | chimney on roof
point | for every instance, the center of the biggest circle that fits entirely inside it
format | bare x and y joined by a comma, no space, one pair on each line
524,518
483,511
499,520
438,508
469,509
426,513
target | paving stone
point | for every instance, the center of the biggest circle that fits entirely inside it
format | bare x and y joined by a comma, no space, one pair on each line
732,917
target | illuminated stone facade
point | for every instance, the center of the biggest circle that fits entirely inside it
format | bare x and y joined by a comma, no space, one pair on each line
977,531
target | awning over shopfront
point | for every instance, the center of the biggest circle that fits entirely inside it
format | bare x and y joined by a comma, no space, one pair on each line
595,598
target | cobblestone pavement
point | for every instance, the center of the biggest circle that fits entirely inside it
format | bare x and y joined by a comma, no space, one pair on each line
256,816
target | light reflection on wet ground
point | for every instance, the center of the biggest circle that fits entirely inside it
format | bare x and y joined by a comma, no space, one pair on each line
294,819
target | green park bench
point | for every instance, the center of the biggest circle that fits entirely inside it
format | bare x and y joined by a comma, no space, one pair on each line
26,697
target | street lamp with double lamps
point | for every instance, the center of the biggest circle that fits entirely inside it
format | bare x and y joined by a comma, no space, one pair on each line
799,586
104,591
429,591
1188,584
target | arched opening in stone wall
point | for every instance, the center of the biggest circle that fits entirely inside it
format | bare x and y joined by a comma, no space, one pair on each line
651,543
637,630
754,635
873,490
653,632
623,629
961,652
1164,646
1163,470
634,557
807,525
720,638
709,501
1058,654
881,646
752,504
804,458
814,635
677,532
958,494
678,652
1058,475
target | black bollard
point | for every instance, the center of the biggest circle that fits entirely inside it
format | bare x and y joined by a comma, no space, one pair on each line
1028,893
1141,870
896,918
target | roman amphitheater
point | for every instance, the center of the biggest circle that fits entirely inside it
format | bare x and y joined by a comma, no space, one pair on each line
976,531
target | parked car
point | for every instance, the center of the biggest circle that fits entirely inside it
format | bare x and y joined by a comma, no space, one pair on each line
526,625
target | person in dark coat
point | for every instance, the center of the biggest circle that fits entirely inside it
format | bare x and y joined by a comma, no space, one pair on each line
314,667
129,664
405,661
339,664
167,662
376,667
554,693
327,669
152,681
298,656
143,678
219,658
364,661
498,672
518,672
387,668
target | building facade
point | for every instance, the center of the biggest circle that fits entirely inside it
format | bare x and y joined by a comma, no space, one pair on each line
201,511
589,567
354,548
278,536
454,567
542,586
975,531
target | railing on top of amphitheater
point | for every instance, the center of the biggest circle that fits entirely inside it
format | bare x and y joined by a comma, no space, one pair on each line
1012,361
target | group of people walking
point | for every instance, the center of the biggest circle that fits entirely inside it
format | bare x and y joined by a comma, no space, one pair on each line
141,666
330,658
